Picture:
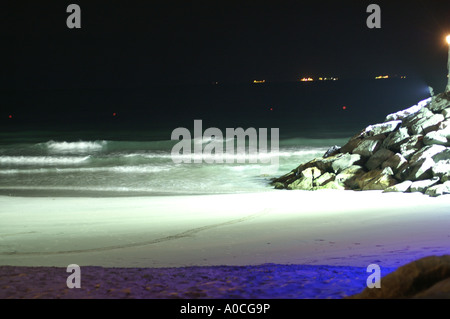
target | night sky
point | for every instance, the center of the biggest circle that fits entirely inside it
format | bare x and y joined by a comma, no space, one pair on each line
132,44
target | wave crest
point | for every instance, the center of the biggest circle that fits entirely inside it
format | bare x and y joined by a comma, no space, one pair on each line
42,160
80,146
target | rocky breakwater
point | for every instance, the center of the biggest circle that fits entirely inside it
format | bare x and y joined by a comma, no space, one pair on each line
408,152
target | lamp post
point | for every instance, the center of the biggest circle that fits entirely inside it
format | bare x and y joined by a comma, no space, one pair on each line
447,89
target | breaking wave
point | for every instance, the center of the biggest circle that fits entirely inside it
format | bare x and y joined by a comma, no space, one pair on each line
42,160
80,146
115,169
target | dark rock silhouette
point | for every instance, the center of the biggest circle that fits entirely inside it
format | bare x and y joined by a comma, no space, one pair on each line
428,277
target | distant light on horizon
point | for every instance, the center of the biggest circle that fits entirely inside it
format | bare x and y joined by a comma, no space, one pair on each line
310,79
390,77
328,79
259,81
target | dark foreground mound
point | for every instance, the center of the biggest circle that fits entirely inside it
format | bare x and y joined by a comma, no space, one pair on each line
268,281
427,277
408,152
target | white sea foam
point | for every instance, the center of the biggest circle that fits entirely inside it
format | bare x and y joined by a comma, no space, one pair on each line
139,169
242,168
78,188
115,169
149,155
245,157
80,146
42,160
225,155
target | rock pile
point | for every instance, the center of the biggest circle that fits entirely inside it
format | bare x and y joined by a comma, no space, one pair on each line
408,152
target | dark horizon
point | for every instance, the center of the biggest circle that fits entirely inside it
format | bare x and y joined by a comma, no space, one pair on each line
145,60
136,44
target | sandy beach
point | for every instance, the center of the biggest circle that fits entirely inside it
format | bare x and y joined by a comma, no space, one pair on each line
340,228
296,229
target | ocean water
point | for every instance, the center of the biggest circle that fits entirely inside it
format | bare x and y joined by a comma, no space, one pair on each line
118,168
118,142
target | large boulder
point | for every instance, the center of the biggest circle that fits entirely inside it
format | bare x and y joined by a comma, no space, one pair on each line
323,164
438,190
400,187
285,180
382,128
439,102
345,161
331,185
423,113
368,147
425,125
421,170
446,113
278,185
395,139
442,156
424,278
400,115
413,144
353,142
445,124
311,172
436,138
380,183
333,150
426,152
351,145
303,183
396,162
324,179
378,158
422,186
349,176
442,170
377,179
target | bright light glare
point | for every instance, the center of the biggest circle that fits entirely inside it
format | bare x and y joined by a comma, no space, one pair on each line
448,39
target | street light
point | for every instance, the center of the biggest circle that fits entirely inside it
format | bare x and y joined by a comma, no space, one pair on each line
447,89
